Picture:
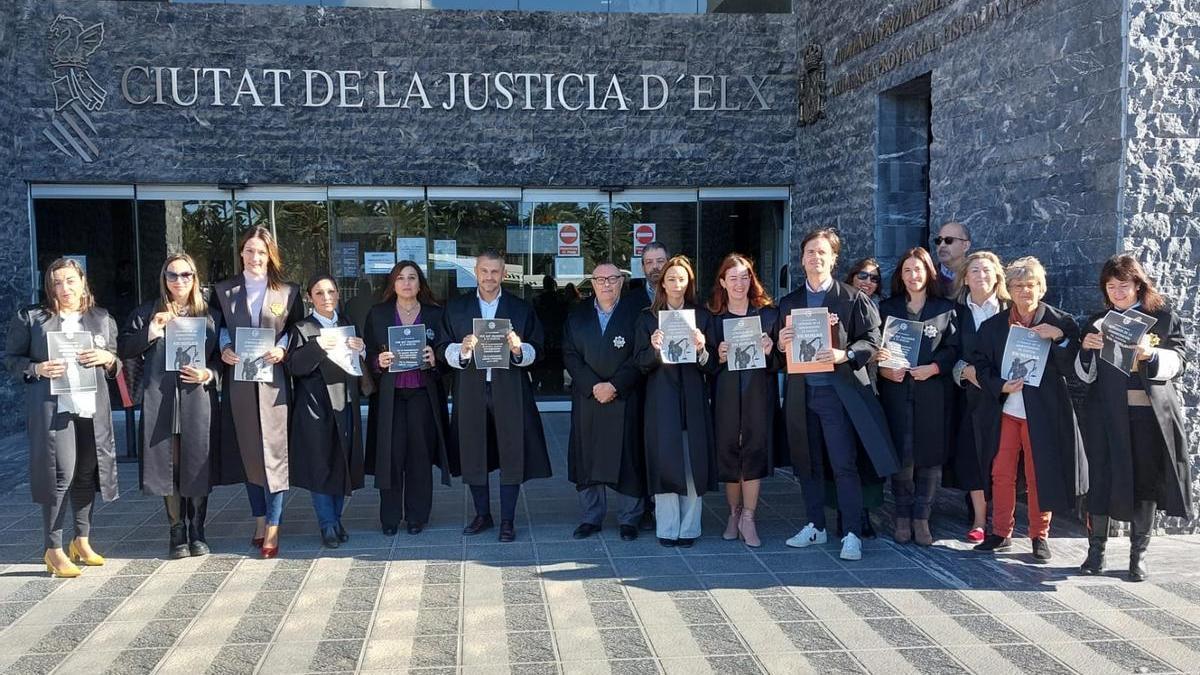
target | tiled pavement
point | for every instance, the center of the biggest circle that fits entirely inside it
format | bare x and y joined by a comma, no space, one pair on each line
439,602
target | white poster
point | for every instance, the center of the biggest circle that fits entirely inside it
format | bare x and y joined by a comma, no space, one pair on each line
643,233
569,268
568,239
378,262
413,248
445,252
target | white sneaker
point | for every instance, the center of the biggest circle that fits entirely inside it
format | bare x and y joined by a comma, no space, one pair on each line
807,537
851,547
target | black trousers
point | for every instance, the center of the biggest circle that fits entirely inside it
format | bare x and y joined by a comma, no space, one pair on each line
481,494
413,433
77,473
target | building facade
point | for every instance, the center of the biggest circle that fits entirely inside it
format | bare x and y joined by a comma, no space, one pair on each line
1068,129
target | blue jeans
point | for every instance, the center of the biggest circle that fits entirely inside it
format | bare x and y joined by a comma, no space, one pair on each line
265,504
831,437
328,509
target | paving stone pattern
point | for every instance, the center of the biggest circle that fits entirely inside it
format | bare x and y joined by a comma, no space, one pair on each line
440,602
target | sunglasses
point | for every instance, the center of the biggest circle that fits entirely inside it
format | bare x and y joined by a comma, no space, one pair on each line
867,276
179,276
938,241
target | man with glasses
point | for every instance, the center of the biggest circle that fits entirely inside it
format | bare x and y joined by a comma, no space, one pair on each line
951,245
605,446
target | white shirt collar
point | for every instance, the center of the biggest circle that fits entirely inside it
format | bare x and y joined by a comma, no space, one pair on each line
493,303
824,287
326,323
990,302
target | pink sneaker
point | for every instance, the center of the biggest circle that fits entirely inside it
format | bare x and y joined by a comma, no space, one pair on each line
975,535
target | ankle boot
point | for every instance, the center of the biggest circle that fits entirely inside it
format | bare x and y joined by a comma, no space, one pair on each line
748,529
1097,539
731,528
178,547
903,533
1139,539
197,513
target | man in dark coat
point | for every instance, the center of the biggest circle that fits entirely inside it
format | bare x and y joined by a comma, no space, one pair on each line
825,411
606,401
495,423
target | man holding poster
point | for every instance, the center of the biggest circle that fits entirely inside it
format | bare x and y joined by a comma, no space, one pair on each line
828,413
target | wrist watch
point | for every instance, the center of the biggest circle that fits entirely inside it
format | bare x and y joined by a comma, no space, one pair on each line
849,354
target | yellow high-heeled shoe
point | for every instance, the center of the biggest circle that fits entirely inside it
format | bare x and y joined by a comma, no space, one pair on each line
78,558
68,572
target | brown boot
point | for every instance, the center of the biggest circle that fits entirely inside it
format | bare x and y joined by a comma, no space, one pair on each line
903,533
921,533
731,528
748,530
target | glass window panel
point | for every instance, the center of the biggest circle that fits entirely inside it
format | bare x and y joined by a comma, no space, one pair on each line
302,231
475,226
752,228
202,229
675,224
369,225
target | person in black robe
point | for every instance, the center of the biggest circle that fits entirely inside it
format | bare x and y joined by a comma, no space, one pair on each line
918,398
1135,437
1037,425
605,446
680,457
406,435
179,406
495,424
828,414
981,295
325,451
745,401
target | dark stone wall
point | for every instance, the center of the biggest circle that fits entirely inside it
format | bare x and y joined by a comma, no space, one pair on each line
14,255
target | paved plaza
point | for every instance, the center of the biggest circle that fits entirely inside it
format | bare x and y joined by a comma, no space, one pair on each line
441,602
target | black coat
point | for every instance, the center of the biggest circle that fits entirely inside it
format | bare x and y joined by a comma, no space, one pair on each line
605,446
381,452
635,294
978,415
676,399
929,403
520,442
747,425
1058,457
199,435
25,347
325,450
857,329
1107,432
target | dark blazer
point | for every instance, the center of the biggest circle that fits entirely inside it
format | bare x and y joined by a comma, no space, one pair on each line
929,403
381,457
1058,456
25,347
1107,433
858,330
976,414
325,451
164,397
254,415
605,446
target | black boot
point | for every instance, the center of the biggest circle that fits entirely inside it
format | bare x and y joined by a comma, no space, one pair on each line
178,547
1139,539
197,513
1097,538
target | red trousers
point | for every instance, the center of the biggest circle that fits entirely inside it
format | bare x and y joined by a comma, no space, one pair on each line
1014,443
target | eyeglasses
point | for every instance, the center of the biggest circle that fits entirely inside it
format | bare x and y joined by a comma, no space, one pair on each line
867,276
179,276
938,241
607,281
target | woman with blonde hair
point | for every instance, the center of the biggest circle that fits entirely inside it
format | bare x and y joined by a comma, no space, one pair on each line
178,402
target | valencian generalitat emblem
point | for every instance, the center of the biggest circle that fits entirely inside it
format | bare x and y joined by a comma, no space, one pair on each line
76,93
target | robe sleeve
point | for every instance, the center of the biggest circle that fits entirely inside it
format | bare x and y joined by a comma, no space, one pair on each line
946,355
304,356
16,347
134,340
376,344
645,354
109,327
1168,360
863,331
1063,351
1086,367
533,336
580,372
987,369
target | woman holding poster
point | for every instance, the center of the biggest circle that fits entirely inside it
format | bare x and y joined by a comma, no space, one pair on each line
1036,424
1136,441
920,346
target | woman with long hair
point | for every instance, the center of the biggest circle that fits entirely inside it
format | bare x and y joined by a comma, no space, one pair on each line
179,398
680,462
1136,439
254,415
866,276
71,448
406,434
745,402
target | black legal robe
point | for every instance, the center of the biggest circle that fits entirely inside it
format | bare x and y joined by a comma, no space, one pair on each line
520,443
676,399
325,450
605,446
857,329
747,426
381,453
1107,433
932,400
168,403
978,415
1058,456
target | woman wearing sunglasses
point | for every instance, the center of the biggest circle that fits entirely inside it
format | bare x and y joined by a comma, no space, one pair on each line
178,399
864,276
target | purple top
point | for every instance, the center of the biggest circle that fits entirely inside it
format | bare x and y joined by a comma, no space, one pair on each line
409,379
